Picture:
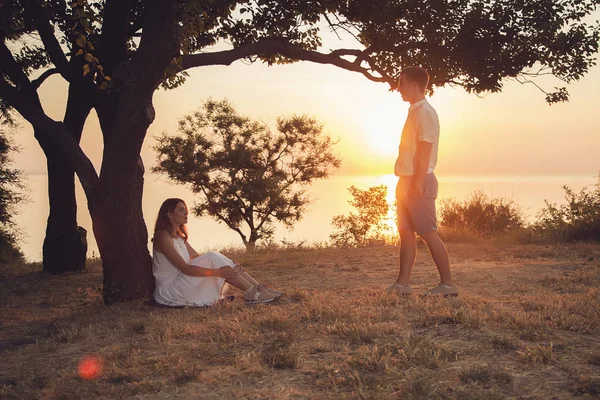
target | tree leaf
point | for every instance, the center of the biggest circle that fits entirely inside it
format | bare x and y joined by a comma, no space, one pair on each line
81,40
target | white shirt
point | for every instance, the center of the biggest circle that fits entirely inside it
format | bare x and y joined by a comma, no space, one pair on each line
422,125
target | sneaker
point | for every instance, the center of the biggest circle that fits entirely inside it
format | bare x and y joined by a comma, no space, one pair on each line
399,289
265,288
442,290
255,295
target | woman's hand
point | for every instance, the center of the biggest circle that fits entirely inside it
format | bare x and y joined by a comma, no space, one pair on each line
227,272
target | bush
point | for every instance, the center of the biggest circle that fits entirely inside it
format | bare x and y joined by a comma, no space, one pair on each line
578,219
478,213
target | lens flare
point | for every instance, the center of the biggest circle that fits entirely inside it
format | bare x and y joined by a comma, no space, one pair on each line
90,367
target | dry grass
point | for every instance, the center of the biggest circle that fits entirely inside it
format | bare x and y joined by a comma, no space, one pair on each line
525,326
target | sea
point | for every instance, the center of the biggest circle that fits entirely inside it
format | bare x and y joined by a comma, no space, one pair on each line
330,197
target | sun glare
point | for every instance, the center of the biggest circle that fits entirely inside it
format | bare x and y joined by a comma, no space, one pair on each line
389,181
382,133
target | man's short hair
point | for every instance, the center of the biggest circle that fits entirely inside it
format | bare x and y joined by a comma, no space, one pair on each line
418,75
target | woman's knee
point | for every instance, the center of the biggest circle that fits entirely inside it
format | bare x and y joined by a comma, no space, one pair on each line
217,255
221,259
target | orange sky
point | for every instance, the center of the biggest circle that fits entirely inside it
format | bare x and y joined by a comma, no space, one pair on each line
510,133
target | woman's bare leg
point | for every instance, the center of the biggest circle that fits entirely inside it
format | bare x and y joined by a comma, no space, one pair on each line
253,281
239,282
236,266
242,281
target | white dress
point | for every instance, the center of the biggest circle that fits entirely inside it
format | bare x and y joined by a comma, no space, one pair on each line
174,288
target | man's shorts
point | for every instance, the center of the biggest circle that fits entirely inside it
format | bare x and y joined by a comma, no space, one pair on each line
417,214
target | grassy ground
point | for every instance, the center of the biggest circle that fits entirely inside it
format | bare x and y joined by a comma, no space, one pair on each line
525,326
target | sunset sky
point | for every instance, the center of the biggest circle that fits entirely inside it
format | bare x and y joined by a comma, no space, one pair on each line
510,133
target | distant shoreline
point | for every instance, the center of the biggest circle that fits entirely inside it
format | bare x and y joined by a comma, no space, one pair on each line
330,197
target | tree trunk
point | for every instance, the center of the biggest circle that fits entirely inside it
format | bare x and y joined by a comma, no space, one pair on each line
115,197
118,222
124,117
125,113
65,244
122,238
250,247
251,243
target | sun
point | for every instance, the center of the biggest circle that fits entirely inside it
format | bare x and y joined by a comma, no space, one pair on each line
382,133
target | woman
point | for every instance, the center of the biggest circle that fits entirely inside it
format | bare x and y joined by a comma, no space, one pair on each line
184,278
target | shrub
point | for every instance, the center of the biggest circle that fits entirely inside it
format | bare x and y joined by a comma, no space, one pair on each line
481,214
578,219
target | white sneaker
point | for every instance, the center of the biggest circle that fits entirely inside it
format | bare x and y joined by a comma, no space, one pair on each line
255,295
265,288
442,290
399,289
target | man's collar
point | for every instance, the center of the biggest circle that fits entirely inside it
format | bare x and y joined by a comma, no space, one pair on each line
417,104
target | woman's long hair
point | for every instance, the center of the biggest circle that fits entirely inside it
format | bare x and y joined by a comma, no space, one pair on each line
163,223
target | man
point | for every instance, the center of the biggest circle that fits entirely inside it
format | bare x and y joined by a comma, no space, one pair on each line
417,185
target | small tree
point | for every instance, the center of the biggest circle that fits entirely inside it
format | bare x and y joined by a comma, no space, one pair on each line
357,229
10,195
246,174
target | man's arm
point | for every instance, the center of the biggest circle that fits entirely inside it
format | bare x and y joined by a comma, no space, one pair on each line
421,163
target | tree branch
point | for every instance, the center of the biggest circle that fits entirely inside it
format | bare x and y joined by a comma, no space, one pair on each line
115,27
271,209
343,26
215,192
9,66
71,74
523,82
55,133
347,52
280,46
333,28
159,44
244,239
49,72
274,46
41,21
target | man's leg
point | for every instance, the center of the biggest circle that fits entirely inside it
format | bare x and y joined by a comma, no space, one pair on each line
408,242
408,253
439,253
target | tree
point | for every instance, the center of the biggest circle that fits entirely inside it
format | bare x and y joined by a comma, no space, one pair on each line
11,194
246,174
115,53
368,224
